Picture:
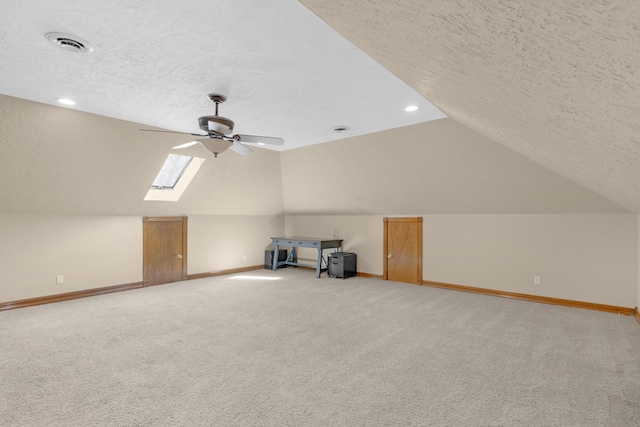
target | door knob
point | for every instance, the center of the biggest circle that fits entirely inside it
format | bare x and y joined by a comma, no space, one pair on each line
389,255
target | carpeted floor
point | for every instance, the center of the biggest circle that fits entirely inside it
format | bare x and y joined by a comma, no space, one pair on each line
282,348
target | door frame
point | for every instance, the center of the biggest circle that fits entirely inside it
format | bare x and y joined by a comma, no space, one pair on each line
385,262
145,253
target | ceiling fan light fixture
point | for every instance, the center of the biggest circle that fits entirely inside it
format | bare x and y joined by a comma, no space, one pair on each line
218,137
69,43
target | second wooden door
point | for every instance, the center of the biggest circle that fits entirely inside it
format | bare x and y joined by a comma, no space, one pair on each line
403,250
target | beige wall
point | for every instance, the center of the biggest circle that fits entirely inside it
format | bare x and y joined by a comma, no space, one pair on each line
591,258
220,242
438,167
90,251
361,234
638,293
59,161
99,251
492,218
71,204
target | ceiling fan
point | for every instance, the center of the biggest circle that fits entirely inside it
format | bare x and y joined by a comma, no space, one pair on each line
219,133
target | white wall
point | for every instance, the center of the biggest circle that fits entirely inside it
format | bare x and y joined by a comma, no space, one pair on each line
580,257
99,251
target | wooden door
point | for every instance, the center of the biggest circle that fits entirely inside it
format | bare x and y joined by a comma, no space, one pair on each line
165,250
403,250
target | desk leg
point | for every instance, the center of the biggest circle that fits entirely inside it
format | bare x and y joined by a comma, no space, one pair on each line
276,257
319,266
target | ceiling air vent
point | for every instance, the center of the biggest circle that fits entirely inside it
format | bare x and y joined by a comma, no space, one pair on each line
69,43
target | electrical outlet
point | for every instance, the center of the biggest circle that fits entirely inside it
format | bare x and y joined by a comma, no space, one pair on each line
59,279
536,280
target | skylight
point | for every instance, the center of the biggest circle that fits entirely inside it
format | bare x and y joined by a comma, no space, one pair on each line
171,171
174,178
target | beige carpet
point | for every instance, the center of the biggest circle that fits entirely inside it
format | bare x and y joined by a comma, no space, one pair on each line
300,351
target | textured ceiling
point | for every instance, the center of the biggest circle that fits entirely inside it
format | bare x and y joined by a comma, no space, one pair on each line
286,72
557,81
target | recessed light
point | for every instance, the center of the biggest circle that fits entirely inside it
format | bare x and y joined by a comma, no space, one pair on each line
261,143
340,129
411,108
66,101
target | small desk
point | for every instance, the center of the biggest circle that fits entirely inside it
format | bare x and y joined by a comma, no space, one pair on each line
304,242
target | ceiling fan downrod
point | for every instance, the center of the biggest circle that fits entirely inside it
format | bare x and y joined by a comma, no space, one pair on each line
216,98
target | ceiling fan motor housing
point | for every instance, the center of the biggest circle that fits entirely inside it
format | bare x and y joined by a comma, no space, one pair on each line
218,124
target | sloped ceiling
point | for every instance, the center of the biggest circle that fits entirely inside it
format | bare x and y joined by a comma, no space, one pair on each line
438,167
556,81
71,162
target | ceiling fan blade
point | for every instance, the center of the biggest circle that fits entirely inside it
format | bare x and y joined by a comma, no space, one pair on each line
240,149
185,145
170,131
268,140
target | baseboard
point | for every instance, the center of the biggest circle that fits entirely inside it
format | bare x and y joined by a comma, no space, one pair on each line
224,272
534,298
107,290
68,296
369,276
